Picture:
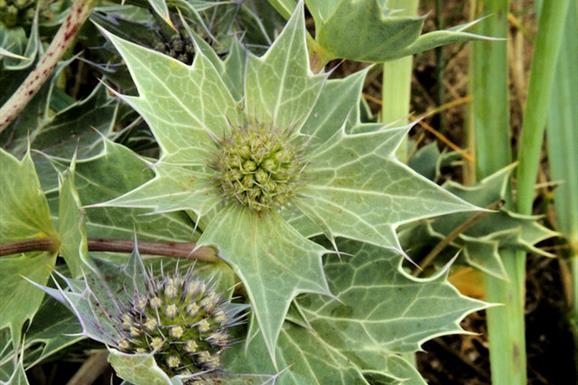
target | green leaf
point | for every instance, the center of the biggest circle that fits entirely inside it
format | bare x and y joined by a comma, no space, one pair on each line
72,231
371,31
139,369
54,328
16,41
284,7
362,30
379,310
350,184
358,189
302,358
25,216
161,8
6,53
280,90
274,262
196,105
64,133
488,234
18,377
106,176
436,39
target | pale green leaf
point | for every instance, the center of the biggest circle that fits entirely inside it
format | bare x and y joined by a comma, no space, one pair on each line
378,310
107,176
302,358
25,216
280,90
358,189
139,369
161,8
350,185
6,53
18,377
72,232
486,234
491,231
274,262
187,107
340,97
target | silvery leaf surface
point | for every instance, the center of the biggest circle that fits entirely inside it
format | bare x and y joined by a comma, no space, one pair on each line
350,185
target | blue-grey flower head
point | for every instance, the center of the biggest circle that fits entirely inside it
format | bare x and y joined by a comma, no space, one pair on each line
178,318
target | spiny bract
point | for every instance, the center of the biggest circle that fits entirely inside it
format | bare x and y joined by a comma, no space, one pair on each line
180,320
265,153
177,319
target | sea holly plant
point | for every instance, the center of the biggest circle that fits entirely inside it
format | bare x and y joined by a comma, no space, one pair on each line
481,238
261,172
381,36
161,328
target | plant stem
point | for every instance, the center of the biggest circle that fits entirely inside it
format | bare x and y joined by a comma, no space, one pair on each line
562,132
490,135
492,140
544,61
396,86
166,249
63,39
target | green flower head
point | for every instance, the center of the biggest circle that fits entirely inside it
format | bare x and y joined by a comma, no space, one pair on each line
15,12
265,154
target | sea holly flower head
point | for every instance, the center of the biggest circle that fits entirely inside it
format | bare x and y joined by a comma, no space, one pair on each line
178,319
265,153
15,12
258,168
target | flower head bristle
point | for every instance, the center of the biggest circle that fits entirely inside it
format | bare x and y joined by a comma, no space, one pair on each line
180,320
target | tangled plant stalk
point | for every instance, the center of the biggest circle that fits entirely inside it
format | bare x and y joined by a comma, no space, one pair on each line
61,42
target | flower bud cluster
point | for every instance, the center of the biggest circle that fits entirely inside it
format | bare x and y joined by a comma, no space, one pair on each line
177,46
259,168
15,12
181,321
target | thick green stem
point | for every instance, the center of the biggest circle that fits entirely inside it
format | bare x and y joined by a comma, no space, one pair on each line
63,39
490,122
545,58
506,323
396,86
562,133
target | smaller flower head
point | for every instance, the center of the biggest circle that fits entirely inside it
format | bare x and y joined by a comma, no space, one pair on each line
180,320
178,46
15,12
